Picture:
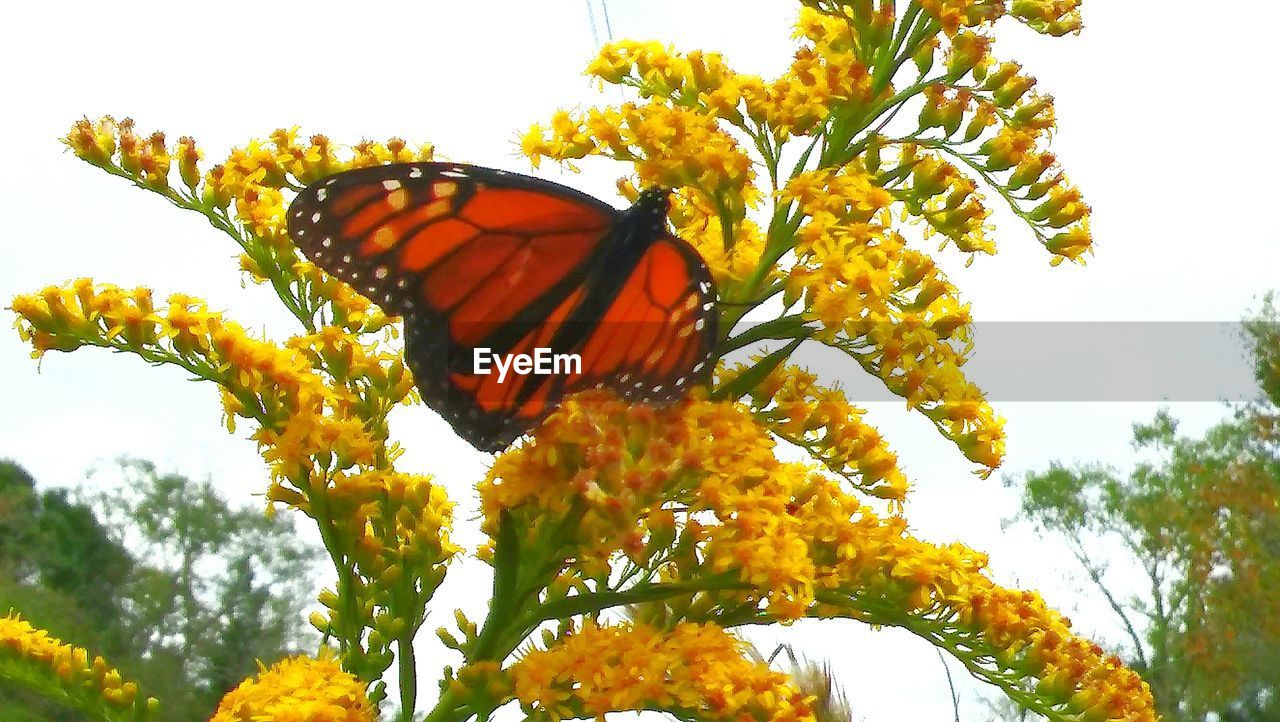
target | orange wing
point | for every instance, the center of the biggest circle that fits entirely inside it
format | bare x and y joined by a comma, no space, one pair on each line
456,243
476,259
651,344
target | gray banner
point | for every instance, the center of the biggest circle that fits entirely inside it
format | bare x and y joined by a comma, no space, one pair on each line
1074,361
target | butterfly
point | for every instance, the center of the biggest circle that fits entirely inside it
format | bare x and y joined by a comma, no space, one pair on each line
486,265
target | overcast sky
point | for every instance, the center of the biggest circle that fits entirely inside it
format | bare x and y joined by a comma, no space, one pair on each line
1162,108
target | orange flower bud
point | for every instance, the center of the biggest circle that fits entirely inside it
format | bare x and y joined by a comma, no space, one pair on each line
188,158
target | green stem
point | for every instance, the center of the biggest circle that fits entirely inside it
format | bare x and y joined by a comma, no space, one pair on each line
408,676
506,559
600,601
784,327
447,709
989,179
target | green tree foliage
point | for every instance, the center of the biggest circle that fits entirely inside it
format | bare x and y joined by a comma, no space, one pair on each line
1200,518
160,574
62,571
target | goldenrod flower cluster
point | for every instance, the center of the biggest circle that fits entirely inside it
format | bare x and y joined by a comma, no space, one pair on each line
277,387
694,670
795,407
34,659
808,195
670,146
1051,17
396,528
320,399
735,536
700,477
832,245
887,305
300,689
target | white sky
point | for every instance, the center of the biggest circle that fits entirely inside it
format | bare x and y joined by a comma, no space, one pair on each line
1161,107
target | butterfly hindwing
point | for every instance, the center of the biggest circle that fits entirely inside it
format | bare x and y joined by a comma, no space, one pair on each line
652,343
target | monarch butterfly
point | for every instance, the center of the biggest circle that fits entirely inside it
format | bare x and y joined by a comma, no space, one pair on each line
480,259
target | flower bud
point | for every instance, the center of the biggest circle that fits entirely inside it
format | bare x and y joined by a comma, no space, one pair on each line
924,55
1030,170
448,639
1001,74
968,51
1051,17
1008,94
1071,243
320,622
130,148
188,158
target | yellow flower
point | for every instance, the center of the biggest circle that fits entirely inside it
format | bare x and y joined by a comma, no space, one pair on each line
300,689
694,670
955,14
1052,17
33,655
624,467
889,307
394,519
673,147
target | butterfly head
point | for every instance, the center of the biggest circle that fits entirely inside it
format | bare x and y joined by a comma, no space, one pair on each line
653,203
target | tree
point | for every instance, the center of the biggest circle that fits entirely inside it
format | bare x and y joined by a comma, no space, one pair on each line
60,568
159,573
222,587
1202,523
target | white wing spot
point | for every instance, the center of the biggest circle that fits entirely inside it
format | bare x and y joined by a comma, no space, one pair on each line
701,324
297,213
346,258
355,275
315,217
380,272
326,242
391,184
402,283
300,232
330,182
322,194
415,172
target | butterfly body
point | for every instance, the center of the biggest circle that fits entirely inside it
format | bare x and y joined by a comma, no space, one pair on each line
479,260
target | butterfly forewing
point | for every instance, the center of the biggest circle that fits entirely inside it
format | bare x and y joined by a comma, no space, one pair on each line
439,233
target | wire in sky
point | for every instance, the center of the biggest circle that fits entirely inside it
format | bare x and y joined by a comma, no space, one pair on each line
591,17
608,28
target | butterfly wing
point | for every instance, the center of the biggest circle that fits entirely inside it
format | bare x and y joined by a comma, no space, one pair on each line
653,342
650,342
478,258
430,239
